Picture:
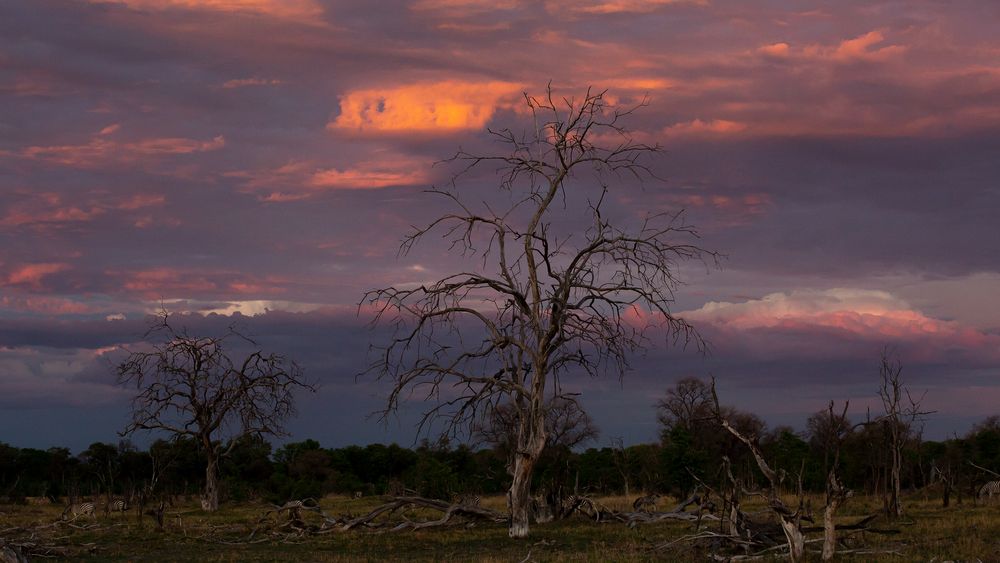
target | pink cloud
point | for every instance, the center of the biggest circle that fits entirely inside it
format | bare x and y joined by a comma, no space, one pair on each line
795,323
861,48
32,274
170,283
601,7
303,179
292,9
49,209
45,305
101,149
244,82
711,127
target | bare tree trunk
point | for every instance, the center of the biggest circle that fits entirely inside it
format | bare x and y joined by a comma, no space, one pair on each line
530,443
519,495
835,496
895,504
210,498
796,539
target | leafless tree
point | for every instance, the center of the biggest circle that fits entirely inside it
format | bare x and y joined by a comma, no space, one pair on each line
834,429
548,298
191,386
789,520
901,411
620,455
686,404
566,425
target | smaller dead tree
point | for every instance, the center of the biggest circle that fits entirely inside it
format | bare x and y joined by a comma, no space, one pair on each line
901,411
836,493
190,386
788,519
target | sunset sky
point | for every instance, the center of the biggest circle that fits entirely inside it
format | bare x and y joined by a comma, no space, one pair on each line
263,158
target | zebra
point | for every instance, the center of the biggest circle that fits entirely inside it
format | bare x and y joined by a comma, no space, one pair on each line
116,505
467,499
646,503
77,510
989,490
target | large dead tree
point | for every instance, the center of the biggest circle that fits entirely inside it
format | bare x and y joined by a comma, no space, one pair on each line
190,386
549,295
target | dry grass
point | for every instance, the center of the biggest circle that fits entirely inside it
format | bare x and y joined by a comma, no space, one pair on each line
928,533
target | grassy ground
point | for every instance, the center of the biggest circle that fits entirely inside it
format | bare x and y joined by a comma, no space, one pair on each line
927,533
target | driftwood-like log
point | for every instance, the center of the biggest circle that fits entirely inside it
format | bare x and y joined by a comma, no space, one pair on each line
678,512
447,509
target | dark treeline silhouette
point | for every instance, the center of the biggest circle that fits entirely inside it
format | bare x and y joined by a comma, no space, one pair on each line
691,447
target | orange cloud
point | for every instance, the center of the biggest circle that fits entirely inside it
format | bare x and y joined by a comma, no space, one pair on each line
598,7
32,274
711,127
779,50
439,107
463,8
291,9
856,49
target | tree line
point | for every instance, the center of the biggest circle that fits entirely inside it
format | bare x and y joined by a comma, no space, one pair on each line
689,451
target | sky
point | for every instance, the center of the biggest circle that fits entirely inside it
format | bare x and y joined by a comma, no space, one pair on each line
257,162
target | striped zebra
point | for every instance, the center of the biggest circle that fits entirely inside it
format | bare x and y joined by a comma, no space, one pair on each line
74,511
116,505
646,503
467,499
989,490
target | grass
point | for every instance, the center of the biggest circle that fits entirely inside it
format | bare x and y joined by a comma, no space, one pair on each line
927,533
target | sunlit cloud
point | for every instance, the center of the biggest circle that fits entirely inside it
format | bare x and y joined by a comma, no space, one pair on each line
31,275
438,107
779,50
878,317
51,209
294,9
464,8
302,179
865,48
101,149
600,7
710,127
45,305
176,283
244,82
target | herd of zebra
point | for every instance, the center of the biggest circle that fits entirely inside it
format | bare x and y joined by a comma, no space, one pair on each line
76,510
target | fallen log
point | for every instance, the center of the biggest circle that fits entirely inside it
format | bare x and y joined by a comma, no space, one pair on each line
448,510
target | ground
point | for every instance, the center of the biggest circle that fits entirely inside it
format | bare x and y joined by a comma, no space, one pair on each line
928,533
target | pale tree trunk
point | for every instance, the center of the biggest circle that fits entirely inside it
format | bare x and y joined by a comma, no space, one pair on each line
829,533
835,497
210,498
796,540
530,443
895,504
